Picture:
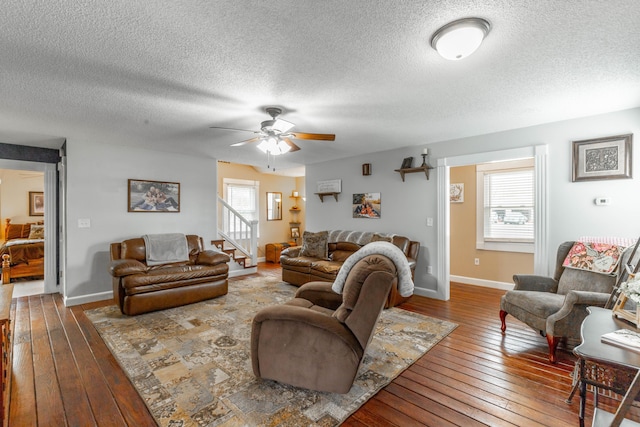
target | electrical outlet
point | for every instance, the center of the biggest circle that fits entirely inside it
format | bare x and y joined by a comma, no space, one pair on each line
429,222
476,261
430,269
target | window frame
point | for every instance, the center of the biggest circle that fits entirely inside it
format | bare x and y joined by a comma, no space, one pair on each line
233,182
511,245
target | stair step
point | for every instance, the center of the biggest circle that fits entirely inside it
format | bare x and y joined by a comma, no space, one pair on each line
240,259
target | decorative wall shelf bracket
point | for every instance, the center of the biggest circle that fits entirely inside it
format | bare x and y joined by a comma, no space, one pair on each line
424,169
321,195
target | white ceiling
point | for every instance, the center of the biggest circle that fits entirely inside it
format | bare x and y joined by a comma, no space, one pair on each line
157,74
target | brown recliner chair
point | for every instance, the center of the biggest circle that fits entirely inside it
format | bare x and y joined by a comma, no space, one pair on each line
318,339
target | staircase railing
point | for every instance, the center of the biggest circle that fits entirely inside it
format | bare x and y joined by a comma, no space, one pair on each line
238,231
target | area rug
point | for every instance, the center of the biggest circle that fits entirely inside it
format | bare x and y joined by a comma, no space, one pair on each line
192,364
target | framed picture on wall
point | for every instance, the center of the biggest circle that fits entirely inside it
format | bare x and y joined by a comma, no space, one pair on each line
456,193
36,203
153,196
602,158
366,205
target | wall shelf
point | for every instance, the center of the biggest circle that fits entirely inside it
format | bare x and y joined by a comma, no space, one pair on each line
424,169
333,193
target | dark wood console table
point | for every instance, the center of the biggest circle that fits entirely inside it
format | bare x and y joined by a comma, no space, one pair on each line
606,366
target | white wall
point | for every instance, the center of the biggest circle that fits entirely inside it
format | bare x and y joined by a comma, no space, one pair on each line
97,177
406,205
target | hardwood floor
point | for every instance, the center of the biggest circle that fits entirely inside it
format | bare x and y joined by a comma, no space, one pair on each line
63,374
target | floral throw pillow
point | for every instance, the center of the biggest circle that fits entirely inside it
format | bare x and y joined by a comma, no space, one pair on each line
596,257
315,244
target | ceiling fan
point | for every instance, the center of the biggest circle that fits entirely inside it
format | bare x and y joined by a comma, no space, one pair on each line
275,135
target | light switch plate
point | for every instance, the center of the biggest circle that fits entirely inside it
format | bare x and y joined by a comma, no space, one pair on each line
84,223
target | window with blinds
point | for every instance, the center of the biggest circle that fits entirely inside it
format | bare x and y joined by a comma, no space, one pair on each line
506,197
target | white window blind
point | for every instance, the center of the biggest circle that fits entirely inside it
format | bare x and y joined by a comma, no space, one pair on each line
505,202
508,205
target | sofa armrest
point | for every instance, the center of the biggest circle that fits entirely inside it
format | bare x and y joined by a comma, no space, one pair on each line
320,293
210,257
531,282
126,267
413,250
291,252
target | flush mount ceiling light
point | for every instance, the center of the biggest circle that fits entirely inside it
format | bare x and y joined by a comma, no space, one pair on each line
459,39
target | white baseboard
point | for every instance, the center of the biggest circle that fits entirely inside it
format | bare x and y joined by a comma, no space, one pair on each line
243,271
429,293
84,299
481,282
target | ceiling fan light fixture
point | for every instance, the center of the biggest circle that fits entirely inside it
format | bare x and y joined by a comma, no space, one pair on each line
459,39
274,146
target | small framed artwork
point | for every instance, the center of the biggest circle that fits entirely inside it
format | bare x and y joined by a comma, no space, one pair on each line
153,196
295,232
456,193
366,205
36,203
602,158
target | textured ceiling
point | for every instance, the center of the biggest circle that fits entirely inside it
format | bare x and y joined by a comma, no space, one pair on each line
158,74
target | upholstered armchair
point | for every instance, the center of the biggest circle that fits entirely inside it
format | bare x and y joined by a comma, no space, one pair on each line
318,339
556,306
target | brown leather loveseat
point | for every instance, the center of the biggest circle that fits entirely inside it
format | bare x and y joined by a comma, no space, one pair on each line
139,288
299,267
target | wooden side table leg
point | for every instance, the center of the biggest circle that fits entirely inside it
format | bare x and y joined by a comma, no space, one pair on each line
583,393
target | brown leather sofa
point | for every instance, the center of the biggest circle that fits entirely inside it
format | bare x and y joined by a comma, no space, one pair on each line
138,288
316,340
297,269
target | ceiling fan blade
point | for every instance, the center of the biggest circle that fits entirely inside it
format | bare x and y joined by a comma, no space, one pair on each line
290,143
240,130
246,141
316,136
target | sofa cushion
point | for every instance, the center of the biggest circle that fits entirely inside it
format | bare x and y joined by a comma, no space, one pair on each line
340,256
538,304
315,244
326,269
380,238
171,277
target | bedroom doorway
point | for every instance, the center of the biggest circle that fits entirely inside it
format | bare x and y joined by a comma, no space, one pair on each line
50,183
17,189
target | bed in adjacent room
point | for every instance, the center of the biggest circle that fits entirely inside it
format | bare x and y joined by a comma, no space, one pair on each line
22,252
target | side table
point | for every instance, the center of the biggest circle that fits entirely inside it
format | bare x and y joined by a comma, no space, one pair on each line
272,251
606,366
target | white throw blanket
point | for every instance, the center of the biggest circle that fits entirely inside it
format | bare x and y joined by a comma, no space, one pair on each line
166,248
391,251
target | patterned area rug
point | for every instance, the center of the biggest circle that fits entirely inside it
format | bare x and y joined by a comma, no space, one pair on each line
192,364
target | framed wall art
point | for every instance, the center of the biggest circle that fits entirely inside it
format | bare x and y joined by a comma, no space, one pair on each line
602,158
366,205
153,196
456,193
36,203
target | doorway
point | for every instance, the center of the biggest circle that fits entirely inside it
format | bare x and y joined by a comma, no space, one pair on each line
49,173
540,256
